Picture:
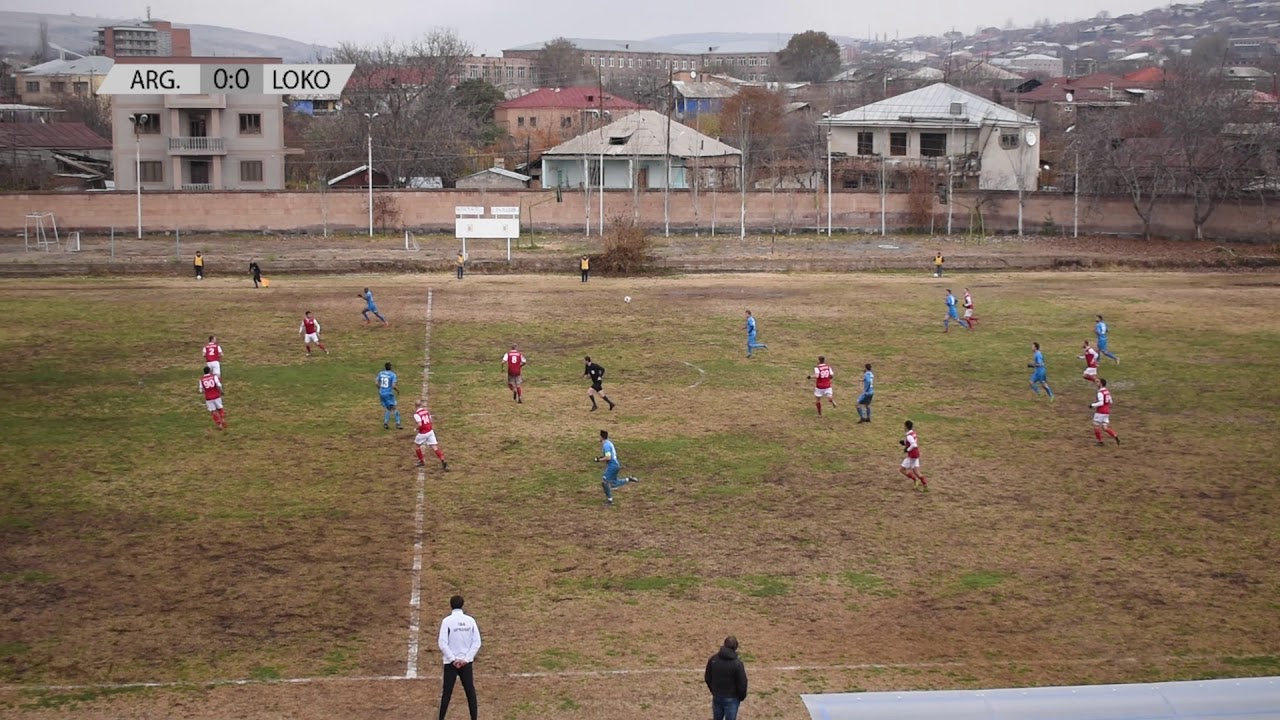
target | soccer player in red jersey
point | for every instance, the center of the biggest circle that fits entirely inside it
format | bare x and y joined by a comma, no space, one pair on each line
1102,413
911,463
822,383
213,356
1090,358
310,332
211,386
426,436
514,361
968,310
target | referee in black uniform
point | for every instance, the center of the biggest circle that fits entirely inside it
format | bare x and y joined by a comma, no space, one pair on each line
596,372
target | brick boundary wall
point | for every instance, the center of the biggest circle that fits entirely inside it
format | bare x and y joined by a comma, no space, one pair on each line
433,211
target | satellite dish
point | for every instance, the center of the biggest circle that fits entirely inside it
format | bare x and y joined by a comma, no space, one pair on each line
693,75
1071,97
1031,138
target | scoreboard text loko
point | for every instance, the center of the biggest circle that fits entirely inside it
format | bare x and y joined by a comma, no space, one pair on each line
225,78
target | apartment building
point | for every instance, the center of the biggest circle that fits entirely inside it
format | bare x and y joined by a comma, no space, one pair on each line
616,58
199,142
54,81
152,38
503,72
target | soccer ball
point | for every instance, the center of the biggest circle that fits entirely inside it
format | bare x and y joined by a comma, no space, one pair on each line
626,299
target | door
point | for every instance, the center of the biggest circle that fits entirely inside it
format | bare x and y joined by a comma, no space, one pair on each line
198,125
199,172
642,178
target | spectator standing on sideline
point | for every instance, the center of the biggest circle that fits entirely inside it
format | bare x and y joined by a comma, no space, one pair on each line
256,272
937,264
459,643
459,262
585,266
199,266
726,678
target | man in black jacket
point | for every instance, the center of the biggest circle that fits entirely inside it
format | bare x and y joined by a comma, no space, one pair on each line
726,678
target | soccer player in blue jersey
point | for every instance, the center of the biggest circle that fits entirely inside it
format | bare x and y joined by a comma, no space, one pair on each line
751,336
1100,329
370,307
610,480
388,392
952,314
868,394
1039,376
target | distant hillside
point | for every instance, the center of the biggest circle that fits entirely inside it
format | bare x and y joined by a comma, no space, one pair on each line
18,32
731,42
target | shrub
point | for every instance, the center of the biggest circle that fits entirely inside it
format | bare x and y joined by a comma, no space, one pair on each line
626,248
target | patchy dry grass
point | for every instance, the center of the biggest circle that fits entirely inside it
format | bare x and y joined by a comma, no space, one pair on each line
139,544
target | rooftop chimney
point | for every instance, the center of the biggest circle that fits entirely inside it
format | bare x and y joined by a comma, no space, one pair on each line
500,163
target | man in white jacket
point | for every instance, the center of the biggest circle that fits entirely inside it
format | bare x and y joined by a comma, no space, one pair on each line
459,643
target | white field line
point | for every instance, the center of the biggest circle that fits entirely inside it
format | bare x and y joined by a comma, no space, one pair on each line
955,664
702,374
419,512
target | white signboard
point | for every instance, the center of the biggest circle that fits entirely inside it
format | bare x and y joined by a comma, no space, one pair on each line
505,211
463,210
486,228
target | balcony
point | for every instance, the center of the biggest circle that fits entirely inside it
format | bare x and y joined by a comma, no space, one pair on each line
197,146
211,100
197,187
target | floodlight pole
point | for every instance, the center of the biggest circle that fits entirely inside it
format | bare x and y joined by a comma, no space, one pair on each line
666,186
883,191
369,168
829,178
137,163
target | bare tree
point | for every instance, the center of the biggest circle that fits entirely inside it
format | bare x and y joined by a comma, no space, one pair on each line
559,64
422,128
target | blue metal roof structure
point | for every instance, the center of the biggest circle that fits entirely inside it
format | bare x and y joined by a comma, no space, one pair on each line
1235,699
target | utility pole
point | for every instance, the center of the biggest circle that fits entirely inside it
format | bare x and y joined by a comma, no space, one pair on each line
745,130
603,142
666,186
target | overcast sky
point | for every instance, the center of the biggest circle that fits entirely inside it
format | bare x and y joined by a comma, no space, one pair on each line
491,25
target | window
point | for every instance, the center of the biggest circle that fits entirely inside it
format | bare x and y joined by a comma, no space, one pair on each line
80,87
250,171
593,62
250,124
566,121
145,124
151,171
520,121
520,72
933,144
611,60
1009,141
33,86
57,86
898,143
511,72
865,146
533,121
764,61
631,63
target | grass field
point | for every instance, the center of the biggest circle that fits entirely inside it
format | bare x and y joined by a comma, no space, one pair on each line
137,543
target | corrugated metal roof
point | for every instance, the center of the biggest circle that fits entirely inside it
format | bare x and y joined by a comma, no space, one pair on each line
576,98
599,45
931,104
1245,699
51,136
91,65
503,172
703,90
646,136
